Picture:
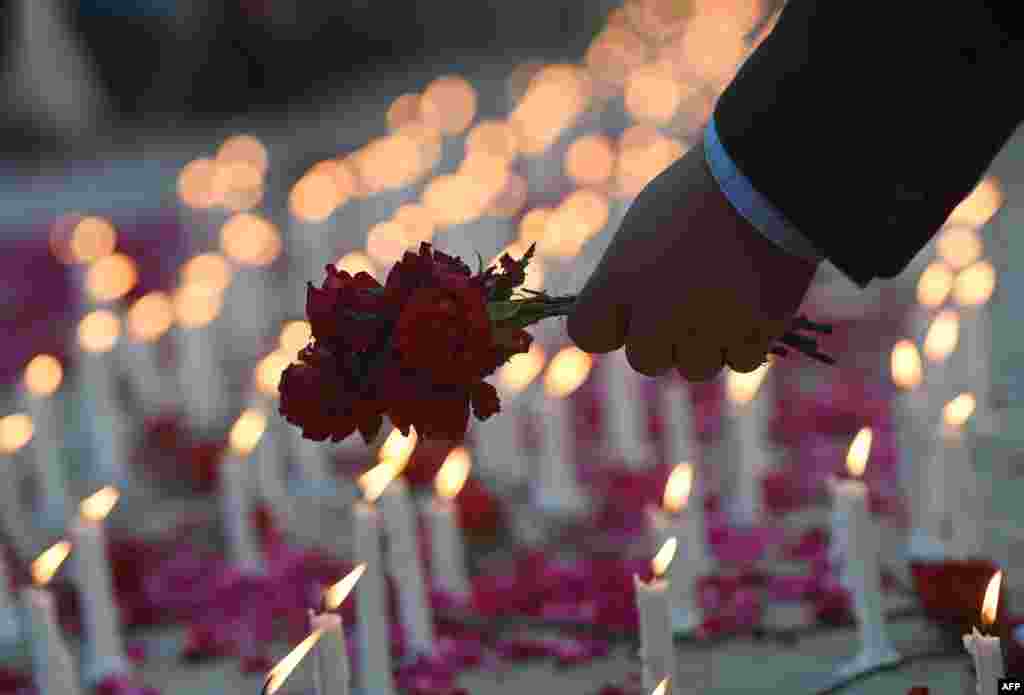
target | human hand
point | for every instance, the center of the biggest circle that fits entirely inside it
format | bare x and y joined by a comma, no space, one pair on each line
688,282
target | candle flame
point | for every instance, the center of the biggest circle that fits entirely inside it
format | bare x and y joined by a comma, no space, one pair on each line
43,375
990,604
677,488
269,370
398,447
661,688
295,335
957,411
96,506
974,284
934,284
452,474
196,305
742,388
49,561
959,246
247,430
150,317
520,371
111,277
857,456
374,481
663,558
566,372
98,331
905,365
337,594
16,431
942,336
279,674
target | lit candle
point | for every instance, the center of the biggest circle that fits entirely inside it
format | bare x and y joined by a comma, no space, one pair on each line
677,415
43,376
447,551
912,414
104,651
252,242
98,333
245,435
625,412
662,687
10,625
748,458
15,432
311,203
933,288
200,199
54,670
953,513
203,383
279,674
497,442
860,540
972,290
680,518
332,671
404,548
939,343
985,649
373,626
657,652
148,320
556,490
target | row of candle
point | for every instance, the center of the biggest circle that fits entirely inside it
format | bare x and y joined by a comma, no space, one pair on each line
103,652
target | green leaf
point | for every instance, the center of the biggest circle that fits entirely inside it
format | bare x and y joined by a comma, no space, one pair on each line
502,311
480,262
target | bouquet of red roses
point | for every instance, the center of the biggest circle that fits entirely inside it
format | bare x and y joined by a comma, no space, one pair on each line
418,348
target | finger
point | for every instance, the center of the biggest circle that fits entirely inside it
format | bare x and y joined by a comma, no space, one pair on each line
698,361
600,319
750,352
649,344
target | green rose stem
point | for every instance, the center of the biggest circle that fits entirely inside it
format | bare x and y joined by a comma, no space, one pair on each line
526,311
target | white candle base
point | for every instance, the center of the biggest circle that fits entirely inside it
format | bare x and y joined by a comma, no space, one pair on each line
625,414
869,659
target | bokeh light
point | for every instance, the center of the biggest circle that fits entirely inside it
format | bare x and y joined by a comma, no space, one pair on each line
43,375
652,94
449,104
150,317
92,239
250,239
416,220
494,137
590,160
246,149
403,111
209,270
314,197
295,336
386,243
196,184
511,198
355,262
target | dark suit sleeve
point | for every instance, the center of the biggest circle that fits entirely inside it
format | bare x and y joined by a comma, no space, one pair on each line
865,124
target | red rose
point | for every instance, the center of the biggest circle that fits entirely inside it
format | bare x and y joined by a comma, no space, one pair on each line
484,398
436,412
446,334
347,311
479,513
427,268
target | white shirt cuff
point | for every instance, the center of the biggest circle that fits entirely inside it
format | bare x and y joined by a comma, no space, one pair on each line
754,207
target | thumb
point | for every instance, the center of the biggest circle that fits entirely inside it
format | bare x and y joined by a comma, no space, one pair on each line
600,317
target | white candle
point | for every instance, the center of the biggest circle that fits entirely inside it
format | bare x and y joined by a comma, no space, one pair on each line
677,416
252,242
952,504
53,667
98,333
748,456
447,550
681,518
407,568
373,626
271,473
16,431
43,376
243,548
862,547
933,288
279,674
10,625
941,340
972,289
984,649
203,383
104,651
657,652
147,321
556,489
332,671
912,415
625,413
